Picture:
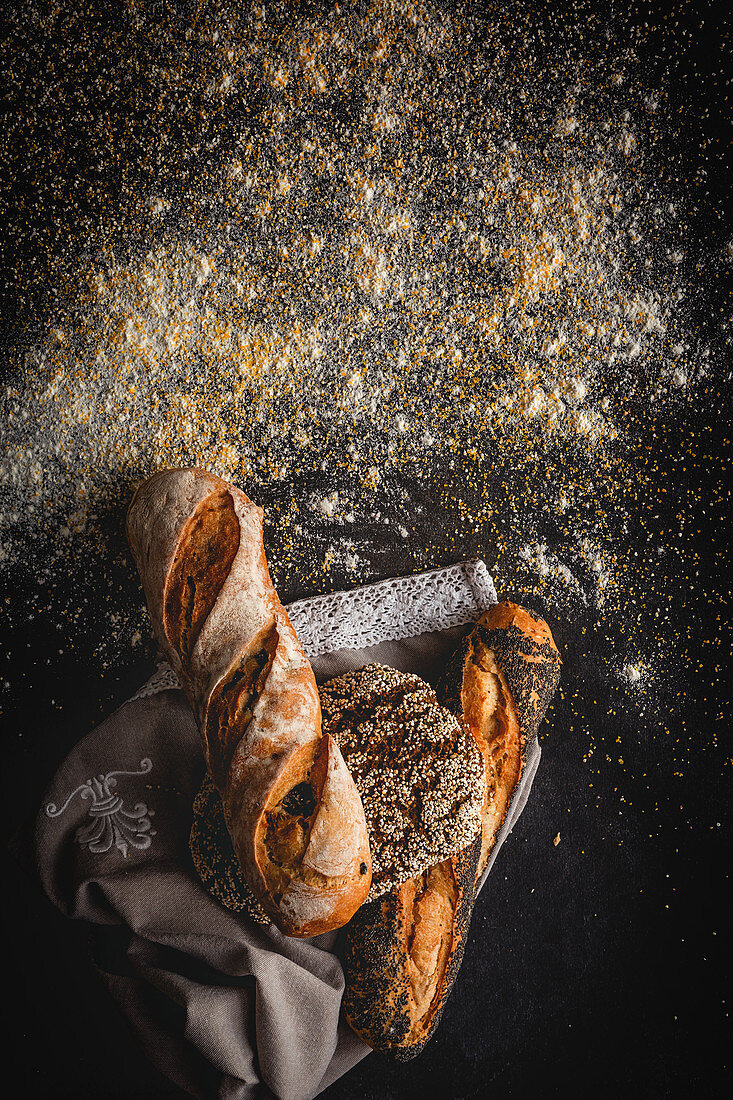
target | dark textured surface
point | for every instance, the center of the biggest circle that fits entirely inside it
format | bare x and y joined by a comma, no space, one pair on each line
595,964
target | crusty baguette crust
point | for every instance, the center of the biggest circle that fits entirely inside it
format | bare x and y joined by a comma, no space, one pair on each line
402,954
399,972
500,680
292,809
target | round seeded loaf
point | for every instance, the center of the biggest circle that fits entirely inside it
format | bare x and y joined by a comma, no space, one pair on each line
415,765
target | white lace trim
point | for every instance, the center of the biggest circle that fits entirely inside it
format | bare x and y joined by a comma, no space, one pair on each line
401,607
163,679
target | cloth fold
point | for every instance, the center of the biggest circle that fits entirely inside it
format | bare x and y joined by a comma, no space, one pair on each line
223,1007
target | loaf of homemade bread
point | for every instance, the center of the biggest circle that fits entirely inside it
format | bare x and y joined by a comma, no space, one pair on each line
416,768
500,681
402,953
291,807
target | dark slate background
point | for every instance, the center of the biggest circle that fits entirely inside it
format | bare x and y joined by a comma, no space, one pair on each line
594,965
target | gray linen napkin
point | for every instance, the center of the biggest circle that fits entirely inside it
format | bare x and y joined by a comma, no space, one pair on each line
224,1008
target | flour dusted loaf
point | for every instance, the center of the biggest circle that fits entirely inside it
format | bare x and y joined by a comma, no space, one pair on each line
291,807
418,772
417,768
500,680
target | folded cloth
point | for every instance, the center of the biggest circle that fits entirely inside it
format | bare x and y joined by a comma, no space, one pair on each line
223,1007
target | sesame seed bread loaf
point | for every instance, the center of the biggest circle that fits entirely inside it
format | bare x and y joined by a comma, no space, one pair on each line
500,680
402,953
417,769
291,807
213,856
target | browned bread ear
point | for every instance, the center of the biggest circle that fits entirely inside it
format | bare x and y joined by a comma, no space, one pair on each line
402,955
291,807
500,680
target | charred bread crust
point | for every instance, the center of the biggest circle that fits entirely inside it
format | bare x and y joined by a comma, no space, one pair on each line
392,1000
500,680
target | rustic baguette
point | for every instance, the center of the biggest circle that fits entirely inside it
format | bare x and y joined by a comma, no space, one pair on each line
291,807
500,681
402,953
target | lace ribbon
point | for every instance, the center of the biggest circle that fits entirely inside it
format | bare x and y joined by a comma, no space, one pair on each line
163,679
401,607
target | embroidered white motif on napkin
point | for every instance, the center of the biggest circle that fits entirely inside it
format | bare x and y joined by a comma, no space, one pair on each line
111,823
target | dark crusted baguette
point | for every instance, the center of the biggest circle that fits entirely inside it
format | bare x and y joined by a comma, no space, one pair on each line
403,951
402,954
500,681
